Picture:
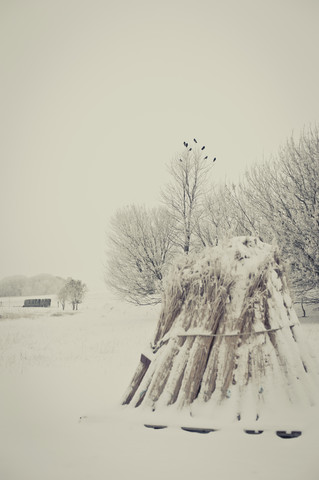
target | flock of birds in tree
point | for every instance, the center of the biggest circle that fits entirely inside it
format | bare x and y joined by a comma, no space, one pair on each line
190,149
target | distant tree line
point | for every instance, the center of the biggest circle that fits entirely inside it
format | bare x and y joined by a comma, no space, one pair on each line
276,200
19,285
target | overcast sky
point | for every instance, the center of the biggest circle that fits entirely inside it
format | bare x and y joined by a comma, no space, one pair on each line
98,96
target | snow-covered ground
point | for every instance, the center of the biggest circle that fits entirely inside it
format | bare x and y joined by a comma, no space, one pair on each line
57,367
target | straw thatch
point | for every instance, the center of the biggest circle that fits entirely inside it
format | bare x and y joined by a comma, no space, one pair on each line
227,327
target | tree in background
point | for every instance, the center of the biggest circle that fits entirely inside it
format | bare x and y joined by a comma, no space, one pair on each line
73,291
283,194
76,292
63,296
184,194
220,218
140,248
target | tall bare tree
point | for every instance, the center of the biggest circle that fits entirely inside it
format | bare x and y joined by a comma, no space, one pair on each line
184,194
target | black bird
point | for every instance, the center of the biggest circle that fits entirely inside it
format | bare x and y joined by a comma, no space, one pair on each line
205,157
203,148
214,159
180,160
195,140
186,145
190,149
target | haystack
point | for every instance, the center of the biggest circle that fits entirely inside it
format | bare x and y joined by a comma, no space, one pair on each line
227,335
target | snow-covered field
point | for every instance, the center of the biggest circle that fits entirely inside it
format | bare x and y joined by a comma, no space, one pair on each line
57,367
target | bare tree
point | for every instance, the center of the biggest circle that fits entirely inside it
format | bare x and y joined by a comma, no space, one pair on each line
140,248
276,201
216,222
227,213
285,194
63,296
184,194
76,292
73,291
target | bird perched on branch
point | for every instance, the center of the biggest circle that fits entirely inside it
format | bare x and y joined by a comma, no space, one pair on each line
205,158
195,140
190,150
203,147
214,159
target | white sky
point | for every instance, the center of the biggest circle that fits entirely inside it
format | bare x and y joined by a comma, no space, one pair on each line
97,96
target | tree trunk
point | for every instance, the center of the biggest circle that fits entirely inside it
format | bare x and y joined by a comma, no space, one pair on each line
303,309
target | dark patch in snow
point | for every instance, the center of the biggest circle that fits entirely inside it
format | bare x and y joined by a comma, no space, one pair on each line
284,434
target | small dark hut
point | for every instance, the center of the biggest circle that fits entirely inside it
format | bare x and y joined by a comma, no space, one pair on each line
37,302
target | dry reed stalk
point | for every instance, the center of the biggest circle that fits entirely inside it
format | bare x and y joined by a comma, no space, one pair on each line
220,330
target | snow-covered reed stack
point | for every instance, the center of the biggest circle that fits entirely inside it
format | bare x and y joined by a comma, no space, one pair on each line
227,333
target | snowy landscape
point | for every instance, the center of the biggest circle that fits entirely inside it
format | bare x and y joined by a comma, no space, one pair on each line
63,376
159,152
